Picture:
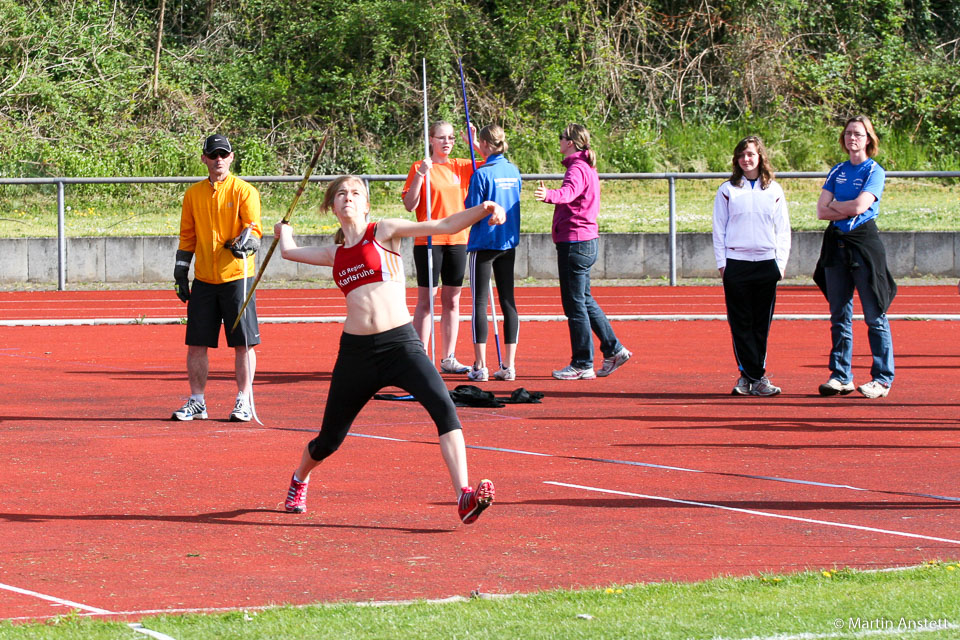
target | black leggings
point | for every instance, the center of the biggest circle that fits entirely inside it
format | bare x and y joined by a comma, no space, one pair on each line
365,365
501,263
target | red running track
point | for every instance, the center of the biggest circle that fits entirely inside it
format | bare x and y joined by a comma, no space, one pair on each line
654,473
531,301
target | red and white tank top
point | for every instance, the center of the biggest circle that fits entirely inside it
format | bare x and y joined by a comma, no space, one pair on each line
366,262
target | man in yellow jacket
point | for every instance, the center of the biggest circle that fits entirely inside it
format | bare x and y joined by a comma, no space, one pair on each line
220,225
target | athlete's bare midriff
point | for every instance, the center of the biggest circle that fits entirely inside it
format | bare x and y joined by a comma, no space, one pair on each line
375,308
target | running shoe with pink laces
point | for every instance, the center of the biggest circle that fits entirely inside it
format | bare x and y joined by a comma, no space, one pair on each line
472,503
296,495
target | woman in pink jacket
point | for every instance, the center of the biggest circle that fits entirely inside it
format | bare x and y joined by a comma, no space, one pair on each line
576,204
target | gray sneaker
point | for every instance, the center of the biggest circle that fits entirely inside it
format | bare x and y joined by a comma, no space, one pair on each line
614,362
742,388
762,387
192,410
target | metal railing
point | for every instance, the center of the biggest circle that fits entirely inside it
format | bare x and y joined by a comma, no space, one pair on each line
671,179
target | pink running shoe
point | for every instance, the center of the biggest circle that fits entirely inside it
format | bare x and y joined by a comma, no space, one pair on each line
472,503
296,496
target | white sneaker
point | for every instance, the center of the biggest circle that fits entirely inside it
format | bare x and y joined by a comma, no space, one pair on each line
450,365
570,372
833,386
192,410
874,389
241,411
478,375
505,373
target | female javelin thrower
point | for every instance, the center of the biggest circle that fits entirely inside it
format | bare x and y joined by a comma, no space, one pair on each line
379,346
493,248
751,242
449,180
852,256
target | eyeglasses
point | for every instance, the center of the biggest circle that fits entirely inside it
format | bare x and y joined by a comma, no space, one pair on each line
218,154
563,137
854,134
443,137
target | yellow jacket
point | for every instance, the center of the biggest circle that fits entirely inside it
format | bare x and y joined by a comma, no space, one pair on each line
213,215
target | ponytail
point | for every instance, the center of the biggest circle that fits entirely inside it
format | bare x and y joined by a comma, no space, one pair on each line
580,137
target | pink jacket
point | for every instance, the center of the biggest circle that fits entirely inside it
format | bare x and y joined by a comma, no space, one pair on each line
577,201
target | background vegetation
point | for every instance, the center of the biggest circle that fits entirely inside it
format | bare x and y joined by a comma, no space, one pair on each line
663,84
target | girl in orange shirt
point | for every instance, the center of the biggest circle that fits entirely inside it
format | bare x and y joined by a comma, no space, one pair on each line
449,181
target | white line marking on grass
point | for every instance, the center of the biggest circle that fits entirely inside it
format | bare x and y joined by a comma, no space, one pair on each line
766,514
60,601
139,628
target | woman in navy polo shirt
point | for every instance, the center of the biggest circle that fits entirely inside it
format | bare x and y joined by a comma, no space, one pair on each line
852,256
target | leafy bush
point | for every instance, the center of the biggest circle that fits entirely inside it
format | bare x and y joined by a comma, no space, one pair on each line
663,85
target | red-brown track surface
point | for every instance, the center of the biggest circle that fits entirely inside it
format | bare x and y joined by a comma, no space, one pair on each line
655,473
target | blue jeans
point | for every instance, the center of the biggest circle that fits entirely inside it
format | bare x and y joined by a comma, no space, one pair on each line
841,281
574,260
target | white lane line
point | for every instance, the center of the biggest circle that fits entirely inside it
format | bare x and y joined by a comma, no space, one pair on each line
60,601
731,474
765,514
135,626
75,322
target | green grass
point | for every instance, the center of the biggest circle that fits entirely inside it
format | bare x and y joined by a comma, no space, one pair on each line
820,603
628,207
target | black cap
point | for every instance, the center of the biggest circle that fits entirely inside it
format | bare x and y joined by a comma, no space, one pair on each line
215,143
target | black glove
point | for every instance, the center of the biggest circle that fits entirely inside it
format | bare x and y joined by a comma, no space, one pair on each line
241,248
181,275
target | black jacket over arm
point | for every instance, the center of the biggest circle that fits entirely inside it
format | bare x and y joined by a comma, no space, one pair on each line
866,239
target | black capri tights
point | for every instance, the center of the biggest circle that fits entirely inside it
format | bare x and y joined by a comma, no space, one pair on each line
365,365
501,264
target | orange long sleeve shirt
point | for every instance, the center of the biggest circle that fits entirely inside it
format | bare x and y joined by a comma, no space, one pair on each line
214,215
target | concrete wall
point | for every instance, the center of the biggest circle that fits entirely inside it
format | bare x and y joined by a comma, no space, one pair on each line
622,255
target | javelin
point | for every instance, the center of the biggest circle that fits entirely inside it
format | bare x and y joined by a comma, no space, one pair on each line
473,159
276,239
426,195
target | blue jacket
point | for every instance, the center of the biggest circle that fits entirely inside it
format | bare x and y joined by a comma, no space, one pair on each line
498,180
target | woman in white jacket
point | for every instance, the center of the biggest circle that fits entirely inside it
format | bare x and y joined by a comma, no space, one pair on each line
751,242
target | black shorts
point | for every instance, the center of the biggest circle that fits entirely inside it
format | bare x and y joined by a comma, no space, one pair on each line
449,264
211,305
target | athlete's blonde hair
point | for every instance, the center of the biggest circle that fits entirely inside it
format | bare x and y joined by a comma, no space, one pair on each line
327,205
